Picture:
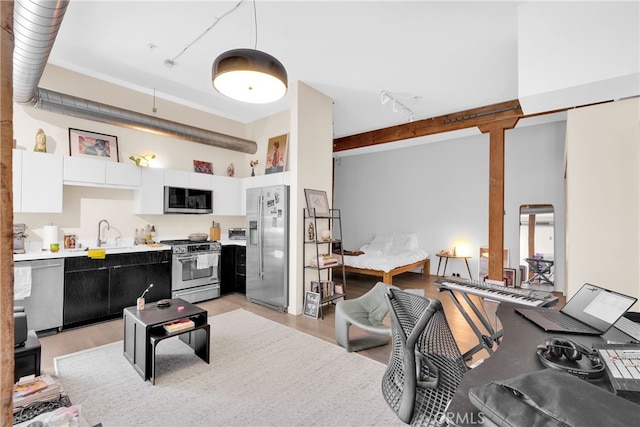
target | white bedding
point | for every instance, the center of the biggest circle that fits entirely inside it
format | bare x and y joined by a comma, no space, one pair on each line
388,251
385,261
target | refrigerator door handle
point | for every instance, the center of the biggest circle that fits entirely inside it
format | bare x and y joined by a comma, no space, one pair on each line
260,237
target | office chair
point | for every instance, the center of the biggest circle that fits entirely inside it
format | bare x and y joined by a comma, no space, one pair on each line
425,365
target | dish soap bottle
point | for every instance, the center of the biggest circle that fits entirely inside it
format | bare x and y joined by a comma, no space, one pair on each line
153,234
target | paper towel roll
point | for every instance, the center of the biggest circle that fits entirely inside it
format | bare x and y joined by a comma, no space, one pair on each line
49,235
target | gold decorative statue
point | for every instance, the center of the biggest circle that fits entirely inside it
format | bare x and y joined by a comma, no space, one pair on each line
311,234
41,142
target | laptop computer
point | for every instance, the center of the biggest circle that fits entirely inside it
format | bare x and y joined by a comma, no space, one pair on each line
591,311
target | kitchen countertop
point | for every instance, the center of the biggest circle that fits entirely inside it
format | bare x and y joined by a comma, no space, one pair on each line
66,253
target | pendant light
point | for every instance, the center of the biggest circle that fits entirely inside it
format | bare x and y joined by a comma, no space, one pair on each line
249,75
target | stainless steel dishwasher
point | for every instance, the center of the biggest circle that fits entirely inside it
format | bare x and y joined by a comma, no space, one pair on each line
44,305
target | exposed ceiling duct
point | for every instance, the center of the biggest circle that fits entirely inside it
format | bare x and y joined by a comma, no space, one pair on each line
36,25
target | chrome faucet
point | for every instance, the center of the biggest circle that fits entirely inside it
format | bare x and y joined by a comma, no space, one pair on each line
100,241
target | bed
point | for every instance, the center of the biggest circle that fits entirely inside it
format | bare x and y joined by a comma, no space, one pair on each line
388,255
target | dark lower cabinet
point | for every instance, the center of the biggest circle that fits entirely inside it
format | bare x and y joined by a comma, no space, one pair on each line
241,269
128,282
96,290
86,295
233,275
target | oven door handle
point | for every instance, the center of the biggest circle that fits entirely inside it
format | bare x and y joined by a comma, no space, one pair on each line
186,258
193,257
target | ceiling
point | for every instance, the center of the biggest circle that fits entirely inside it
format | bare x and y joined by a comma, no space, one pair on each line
433,57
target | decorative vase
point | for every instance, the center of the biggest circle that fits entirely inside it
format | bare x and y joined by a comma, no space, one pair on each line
253,173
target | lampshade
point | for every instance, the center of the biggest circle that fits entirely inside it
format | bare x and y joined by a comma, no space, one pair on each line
249,75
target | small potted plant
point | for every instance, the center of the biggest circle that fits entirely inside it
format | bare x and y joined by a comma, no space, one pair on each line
142,160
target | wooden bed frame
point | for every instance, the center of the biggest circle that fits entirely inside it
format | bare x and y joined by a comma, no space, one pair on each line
387,277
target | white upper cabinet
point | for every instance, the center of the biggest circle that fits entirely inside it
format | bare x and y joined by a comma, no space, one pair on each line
200,181
41,182
226,195
122,174
82,171
89,172
184,179
149,197
175,178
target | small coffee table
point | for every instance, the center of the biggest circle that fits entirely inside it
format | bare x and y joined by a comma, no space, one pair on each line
143,330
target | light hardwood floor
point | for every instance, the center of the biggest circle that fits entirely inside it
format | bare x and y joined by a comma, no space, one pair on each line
81,338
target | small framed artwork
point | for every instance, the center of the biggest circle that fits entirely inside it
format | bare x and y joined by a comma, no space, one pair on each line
315,287
276,154
509,277
311,304
202,167
94,145
317,202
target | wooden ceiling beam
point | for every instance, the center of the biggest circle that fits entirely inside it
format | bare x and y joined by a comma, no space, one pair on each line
449,122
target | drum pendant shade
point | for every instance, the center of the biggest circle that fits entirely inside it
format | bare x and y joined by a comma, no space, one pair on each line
249,75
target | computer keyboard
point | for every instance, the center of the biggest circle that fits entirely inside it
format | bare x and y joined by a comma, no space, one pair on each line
562,320
628,327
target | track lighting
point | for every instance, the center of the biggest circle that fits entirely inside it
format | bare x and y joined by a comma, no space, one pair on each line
396,106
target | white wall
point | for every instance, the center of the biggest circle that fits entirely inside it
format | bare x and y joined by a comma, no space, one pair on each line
440,191
311,167
603,197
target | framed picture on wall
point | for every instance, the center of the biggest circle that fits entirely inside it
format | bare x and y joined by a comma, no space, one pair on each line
94,145
276,154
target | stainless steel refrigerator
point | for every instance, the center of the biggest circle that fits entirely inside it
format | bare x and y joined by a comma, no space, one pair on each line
268,246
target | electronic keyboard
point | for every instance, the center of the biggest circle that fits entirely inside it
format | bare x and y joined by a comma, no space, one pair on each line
498,293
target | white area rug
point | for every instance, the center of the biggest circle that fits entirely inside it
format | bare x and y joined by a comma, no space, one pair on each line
261,374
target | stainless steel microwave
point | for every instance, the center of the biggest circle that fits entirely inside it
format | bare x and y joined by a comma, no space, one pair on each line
187,201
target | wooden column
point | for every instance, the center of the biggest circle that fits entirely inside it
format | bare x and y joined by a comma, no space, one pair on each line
496,193
6,213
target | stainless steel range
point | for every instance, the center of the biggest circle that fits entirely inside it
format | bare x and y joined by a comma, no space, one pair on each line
195,269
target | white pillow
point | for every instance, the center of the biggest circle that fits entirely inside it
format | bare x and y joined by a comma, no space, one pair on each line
380,244
403,242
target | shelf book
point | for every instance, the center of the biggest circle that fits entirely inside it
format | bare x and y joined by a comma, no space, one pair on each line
324,261
179,325
37,389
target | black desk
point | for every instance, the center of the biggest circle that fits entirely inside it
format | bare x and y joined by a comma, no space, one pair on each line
516,355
